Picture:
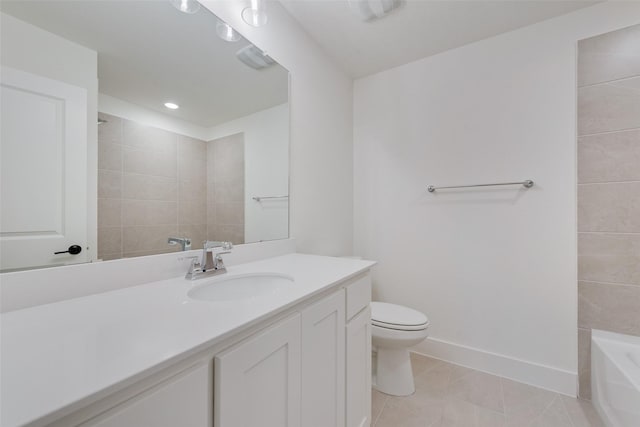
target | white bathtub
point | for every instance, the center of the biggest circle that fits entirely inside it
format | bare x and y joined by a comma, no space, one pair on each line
615,378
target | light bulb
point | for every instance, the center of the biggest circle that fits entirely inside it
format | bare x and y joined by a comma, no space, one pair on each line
226,32
186,6
256,15
171,105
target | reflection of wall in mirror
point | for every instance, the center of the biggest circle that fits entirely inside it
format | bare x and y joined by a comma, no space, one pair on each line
153,183
266,141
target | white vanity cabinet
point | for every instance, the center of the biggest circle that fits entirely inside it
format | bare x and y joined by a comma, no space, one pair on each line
311,370
306,366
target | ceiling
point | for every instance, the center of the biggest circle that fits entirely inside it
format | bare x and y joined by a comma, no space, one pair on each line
418,28
150,53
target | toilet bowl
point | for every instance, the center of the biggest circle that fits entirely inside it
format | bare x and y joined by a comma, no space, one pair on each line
395,328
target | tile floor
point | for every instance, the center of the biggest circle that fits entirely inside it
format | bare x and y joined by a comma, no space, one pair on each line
453,396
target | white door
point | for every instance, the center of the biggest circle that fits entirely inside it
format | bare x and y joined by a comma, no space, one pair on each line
43,155
323,370
359,370
257,383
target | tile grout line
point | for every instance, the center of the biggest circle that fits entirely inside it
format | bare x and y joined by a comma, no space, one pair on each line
384,404
567,412
608,82
589,135
631,181
544,411
610,283
606,132
504,405
610,232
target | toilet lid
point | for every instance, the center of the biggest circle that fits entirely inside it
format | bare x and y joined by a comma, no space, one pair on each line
398,317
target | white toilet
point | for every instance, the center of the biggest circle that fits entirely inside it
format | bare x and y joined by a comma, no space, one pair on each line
395,328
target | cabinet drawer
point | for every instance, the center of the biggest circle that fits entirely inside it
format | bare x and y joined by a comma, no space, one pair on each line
358,295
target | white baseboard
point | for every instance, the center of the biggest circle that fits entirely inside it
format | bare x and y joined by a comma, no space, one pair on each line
546,377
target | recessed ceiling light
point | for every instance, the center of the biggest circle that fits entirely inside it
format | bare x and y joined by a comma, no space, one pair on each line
171,105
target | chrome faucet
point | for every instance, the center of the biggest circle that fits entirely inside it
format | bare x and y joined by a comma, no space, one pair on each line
211,262
184,242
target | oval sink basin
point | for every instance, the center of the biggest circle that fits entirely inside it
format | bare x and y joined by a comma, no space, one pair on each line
242,287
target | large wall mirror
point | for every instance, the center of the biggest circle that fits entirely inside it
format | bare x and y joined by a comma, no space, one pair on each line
129,127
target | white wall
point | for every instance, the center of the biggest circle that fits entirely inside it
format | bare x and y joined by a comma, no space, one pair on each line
31,49
495,269
266,152
321,197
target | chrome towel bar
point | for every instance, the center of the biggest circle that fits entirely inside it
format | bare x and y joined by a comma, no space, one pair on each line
527,184
259,198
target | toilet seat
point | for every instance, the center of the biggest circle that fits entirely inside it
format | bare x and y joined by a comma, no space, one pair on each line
397,317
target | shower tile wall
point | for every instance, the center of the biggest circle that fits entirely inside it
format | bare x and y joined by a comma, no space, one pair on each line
151,185
225,195
608,190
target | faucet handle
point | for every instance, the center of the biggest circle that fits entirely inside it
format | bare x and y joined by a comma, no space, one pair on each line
194,267
212,244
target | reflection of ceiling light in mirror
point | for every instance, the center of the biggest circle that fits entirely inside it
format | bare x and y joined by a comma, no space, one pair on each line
254,57
186,6
226,32
256,15
368,10
171,105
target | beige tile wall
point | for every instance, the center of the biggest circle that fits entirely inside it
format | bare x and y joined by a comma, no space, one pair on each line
152,184
225,194
608,190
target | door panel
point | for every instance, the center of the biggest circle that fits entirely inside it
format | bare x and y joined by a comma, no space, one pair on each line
359,370
257,383
43,181
323,355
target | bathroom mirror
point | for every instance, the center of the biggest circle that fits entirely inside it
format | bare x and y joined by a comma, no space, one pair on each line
126,123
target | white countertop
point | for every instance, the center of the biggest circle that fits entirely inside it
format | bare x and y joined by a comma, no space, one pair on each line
57,357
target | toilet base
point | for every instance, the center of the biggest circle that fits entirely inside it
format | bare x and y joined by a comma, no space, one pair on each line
394,375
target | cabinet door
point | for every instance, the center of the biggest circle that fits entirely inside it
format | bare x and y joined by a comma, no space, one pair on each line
358,373
184,400
257,382
323,363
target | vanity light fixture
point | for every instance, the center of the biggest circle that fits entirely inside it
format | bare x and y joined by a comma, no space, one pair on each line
256,14
369,10
171,105
226,32
186,6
